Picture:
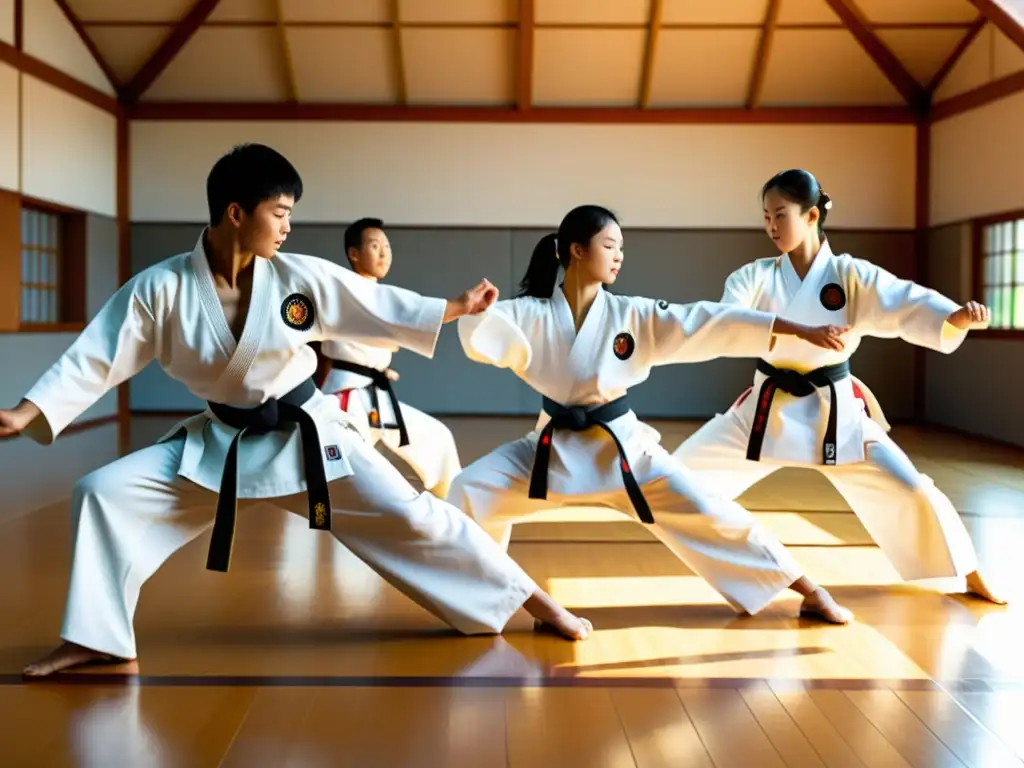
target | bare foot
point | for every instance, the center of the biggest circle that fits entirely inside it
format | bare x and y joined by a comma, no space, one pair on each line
820,603
549,616
65,656
976,586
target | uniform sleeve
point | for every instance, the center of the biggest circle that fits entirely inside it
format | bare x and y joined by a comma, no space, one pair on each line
890,307
495,337
739,287
353,309
117,344
705,330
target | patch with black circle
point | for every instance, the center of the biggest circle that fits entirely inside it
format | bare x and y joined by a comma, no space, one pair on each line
833,297
662,305
297,312
623,345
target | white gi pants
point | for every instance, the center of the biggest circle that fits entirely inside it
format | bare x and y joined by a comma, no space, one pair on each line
911,520
133,514
716,538
431,452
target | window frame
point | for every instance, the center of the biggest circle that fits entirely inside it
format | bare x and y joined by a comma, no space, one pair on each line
71,268
978,227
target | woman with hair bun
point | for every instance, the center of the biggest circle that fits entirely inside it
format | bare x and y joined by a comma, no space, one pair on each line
806,409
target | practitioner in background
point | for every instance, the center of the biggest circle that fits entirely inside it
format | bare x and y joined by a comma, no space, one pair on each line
361,377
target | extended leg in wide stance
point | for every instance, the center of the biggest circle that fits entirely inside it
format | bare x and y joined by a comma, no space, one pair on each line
129,517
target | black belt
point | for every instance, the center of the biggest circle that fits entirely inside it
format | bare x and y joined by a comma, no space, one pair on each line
273,415
380,381
578,418
798,385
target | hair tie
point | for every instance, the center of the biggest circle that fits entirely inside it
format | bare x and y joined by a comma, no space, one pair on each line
556,247
828,201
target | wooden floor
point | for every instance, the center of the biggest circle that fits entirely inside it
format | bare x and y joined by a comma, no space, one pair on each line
301,656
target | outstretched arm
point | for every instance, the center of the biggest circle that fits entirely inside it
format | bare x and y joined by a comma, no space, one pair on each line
890,307
117,344
351,308
705,330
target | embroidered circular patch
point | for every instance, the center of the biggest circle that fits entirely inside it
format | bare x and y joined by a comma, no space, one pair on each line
662,304
623,345
297,312
833,297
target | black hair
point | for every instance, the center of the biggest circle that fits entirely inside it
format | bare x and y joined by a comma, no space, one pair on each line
354,232
800,187
248,175
552,251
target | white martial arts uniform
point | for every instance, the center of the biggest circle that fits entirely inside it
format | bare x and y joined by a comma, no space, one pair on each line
910,519
431,451
130,516
615,349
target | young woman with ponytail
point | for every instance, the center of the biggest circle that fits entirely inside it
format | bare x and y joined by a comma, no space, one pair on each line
805,408
582,348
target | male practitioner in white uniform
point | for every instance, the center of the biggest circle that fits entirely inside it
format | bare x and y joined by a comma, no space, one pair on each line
233,321
361,377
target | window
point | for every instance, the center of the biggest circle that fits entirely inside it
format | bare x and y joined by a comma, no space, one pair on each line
40,267
53,247
1002,272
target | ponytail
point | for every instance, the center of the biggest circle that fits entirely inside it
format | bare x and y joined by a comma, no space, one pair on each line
579,226
541,275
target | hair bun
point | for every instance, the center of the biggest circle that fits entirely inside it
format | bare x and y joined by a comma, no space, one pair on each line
824,201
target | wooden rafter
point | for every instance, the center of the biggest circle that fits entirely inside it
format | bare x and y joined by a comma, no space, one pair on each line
19,24
764,49
856,115
651,50
978,97
524,58
286,51
170,48
59,79
401,82
912,91
1006,21
947,66
89,43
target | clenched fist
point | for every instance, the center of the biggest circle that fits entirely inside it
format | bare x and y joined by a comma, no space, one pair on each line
973,314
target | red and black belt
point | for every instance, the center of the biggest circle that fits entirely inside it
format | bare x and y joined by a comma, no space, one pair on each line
578,418
799,385
380,382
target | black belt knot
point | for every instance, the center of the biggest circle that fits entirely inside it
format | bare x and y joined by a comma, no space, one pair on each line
799,385
578,418
273,415
380,382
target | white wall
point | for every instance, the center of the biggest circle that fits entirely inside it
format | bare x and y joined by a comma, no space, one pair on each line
68,150
977,162
465,174
49,36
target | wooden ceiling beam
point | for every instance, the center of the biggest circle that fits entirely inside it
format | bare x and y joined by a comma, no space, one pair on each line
398,57
650,51
156,110
165,54
764,49
286,51
1005,16
524,57
947,66
912,92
